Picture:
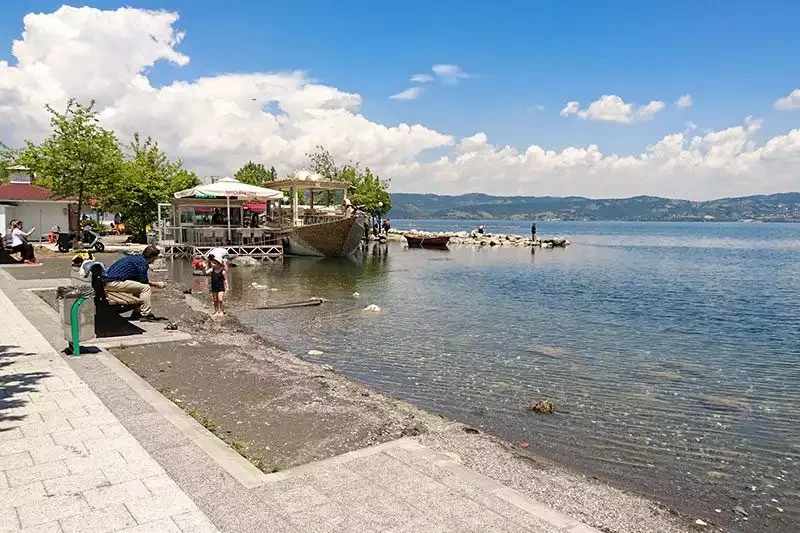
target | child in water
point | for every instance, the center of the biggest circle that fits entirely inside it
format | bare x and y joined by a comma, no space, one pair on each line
219,284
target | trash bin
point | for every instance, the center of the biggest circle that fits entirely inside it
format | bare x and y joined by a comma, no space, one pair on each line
84,314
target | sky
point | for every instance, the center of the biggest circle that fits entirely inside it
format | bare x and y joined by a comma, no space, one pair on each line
601,99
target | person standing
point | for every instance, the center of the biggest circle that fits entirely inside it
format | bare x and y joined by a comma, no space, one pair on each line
386,226
129,274
533,231
19,242
219,284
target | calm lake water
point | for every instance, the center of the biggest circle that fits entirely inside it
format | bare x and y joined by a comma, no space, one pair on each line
670,349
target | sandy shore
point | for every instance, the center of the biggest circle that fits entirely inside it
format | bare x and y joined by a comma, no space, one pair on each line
280,412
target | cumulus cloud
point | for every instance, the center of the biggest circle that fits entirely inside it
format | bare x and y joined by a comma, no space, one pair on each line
422,78
685,101
611,108
214,123
449,74
217,123
790,102
412,93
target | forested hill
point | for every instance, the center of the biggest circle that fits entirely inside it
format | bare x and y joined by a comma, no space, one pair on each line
783,207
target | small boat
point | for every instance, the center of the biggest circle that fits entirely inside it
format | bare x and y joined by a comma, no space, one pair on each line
423,241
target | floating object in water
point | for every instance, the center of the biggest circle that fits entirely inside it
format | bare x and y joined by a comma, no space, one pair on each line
258,286
288,305
543,407
356,295
315,352
372,308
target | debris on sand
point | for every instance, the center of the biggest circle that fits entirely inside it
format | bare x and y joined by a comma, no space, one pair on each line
315,352
543,407
372,308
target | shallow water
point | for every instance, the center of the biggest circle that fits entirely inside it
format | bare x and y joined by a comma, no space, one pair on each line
671,350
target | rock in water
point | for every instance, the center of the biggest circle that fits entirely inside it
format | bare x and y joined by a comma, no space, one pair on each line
700,522
373,308
543,407
245,260
740,510
356,295
315,352
258,286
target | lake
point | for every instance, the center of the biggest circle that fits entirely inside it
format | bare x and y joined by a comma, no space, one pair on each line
670,349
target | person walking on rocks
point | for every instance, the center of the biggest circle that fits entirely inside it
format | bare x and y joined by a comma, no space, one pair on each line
533,231
129,274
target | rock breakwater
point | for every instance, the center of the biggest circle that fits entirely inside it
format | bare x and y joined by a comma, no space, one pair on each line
464,238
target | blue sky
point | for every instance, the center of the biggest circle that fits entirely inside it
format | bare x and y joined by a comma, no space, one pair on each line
735,58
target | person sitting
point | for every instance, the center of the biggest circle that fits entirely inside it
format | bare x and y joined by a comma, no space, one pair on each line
129,274
19,242
217,219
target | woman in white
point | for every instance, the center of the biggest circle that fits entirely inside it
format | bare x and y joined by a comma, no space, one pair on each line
19,242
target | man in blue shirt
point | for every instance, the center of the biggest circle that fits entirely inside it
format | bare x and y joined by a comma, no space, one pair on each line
129,274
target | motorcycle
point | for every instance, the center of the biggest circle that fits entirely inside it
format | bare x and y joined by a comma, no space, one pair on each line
90,239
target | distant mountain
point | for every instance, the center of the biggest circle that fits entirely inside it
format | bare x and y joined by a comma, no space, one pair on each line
784,207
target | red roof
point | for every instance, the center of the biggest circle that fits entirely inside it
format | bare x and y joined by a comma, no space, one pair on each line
25,191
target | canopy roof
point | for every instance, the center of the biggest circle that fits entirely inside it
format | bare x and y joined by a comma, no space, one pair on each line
307,185
229,188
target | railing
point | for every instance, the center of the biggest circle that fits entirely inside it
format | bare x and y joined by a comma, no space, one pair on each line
218,236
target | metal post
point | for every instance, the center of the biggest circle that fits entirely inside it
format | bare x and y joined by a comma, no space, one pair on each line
75,323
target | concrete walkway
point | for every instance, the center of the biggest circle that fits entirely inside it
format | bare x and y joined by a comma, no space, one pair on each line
86,445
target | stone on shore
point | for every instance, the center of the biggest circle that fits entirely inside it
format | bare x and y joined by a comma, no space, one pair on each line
372,308
464,238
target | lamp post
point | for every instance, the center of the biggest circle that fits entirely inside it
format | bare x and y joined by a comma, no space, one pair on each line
380,225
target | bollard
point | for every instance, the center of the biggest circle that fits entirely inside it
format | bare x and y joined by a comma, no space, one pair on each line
76,327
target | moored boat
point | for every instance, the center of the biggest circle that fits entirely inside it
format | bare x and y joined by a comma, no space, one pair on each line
338,238
424,241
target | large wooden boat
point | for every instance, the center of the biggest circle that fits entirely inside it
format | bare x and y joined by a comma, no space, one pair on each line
338,238
324,232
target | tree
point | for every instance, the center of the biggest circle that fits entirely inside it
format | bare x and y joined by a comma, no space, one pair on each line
78,157
147,178
366,188
253,174
372,192
272,174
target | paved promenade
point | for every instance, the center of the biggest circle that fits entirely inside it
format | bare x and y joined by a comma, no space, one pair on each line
86,445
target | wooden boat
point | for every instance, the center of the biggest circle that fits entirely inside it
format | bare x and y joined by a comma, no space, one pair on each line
423,241
339,238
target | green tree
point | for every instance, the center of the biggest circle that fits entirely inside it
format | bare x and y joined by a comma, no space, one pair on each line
372,192
147,178
78,157
253,174
272,175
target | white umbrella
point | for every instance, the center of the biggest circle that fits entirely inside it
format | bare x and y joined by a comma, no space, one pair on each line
229,188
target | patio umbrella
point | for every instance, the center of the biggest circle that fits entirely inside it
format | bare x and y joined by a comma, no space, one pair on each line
229,188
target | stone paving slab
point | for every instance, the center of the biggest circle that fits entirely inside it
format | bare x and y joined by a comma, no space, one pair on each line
86,445
66,463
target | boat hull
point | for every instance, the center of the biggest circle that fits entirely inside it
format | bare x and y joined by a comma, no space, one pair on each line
420,241
340,238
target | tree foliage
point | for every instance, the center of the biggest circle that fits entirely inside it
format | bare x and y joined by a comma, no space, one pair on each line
366,188
78,158
252,174
147,178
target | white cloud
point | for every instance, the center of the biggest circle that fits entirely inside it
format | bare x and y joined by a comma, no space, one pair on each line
449,74
685,101
217,123
214,123
412,93
534,109
422,78
611,108
790,102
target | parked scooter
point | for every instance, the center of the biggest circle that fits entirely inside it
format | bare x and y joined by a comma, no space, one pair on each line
90,240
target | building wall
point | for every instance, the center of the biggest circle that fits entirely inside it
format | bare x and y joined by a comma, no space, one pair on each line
41,215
